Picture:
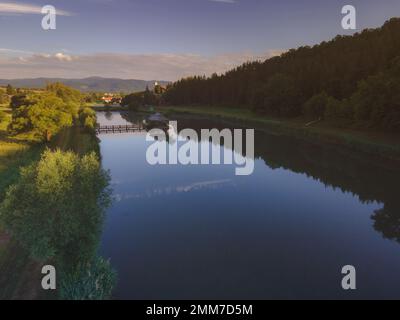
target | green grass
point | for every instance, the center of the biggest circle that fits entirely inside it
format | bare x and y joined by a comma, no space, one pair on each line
21,150
232,113
15,151
93,105
4,107
370,141
102,107
16,281
76,139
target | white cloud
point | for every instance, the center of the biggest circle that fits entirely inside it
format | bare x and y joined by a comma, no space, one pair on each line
224,1
63,57
25,8
14,51
125,66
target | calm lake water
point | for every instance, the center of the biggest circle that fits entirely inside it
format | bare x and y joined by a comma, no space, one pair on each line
200,232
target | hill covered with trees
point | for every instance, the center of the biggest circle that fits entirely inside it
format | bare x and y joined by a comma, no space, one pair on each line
350,81
91,84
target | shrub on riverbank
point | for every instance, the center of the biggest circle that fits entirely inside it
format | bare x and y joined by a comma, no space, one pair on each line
90,281
42,114
87,117
56,208
55,212
45,113
3,116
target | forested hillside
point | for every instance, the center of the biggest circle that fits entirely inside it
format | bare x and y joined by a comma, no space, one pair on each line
351,80
92,84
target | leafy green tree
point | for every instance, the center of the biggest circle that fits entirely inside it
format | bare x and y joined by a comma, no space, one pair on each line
134,101
377,100
280,97
4,99
333,109
48,115
19,100
92,97
316,106
149,98
44,114
56,209
3,116
67,94
87,117
71,97
10,90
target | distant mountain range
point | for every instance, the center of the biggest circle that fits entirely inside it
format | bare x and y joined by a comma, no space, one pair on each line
97,84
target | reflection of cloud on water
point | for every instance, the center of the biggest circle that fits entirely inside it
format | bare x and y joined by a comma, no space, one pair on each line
117,197
203,184
116,182
212,184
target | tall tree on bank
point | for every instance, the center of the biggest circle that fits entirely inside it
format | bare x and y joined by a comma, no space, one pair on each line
45,113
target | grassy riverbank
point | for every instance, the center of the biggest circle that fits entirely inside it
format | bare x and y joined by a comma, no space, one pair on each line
108,108
17,268
375,143
76,139
15,265
15,151
20,150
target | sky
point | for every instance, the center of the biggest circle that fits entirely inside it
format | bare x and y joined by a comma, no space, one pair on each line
166,39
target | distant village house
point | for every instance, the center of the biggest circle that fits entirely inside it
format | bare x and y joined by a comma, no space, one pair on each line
110,98
159,89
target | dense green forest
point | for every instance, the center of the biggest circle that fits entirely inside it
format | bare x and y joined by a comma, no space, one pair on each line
138,99
350,81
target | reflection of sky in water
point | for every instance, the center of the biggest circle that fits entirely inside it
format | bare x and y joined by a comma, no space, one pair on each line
201,232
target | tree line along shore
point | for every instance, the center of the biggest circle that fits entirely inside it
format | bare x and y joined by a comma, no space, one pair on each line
53,196
350,82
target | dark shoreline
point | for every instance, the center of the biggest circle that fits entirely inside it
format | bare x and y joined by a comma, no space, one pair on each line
357,141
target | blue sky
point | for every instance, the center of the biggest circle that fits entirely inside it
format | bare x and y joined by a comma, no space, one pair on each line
166,39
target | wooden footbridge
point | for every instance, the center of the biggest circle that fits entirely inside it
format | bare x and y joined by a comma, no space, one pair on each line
120,128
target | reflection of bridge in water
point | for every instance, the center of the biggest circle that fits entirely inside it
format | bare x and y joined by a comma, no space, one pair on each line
120,128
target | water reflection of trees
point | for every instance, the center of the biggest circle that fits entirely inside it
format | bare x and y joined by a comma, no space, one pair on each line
109,115
364,176
387,221
134,117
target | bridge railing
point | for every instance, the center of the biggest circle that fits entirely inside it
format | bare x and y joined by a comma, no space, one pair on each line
118,128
